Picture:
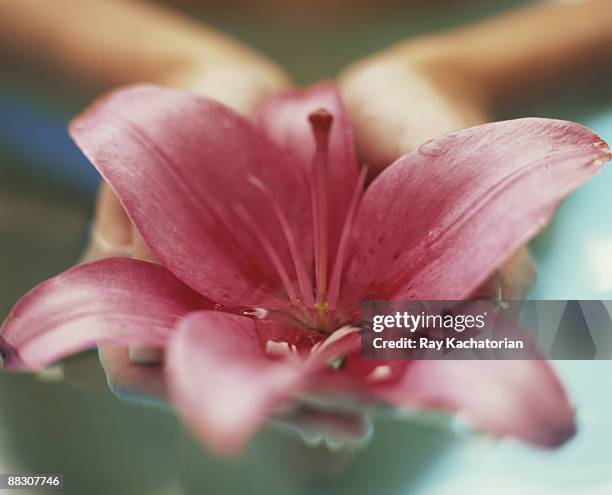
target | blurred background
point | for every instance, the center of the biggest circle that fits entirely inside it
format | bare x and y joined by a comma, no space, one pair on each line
104,445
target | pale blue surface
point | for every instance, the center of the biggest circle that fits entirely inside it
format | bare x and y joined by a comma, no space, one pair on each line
574,261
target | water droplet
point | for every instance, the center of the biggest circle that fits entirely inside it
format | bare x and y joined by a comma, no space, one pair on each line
432,148
258,313
430,237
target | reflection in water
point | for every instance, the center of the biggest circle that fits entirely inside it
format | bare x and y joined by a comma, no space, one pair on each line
100,444
104,445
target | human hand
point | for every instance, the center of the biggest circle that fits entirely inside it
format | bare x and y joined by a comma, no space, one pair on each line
422,88
168,50
403,97
139,370
426,87
240,85
85,46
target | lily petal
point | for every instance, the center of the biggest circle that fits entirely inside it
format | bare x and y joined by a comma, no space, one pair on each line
284,118
114,300
343,342
522,399
222,381
425,224
182,166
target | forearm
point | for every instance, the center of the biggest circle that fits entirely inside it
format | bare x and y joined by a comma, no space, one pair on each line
525,49
109,42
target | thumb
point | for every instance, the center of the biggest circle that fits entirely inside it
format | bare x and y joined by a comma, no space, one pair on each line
394,107
111,231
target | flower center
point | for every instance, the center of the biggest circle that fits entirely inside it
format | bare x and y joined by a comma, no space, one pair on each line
314,300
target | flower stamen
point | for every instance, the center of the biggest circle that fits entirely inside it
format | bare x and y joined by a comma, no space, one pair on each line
343,244
298,261
251,224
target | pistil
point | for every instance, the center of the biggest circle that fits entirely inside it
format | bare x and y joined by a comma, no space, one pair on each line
320,121
298,261
268,247
313,307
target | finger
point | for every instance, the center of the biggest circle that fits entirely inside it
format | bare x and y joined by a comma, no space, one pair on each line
241,87
411,106
512,281
111,232
140,250
517,276
131,380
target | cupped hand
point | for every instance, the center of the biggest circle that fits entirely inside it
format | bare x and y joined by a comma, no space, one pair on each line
241,86
404,96
401,98
396,102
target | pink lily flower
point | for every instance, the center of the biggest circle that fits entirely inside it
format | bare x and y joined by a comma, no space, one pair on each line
267,240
